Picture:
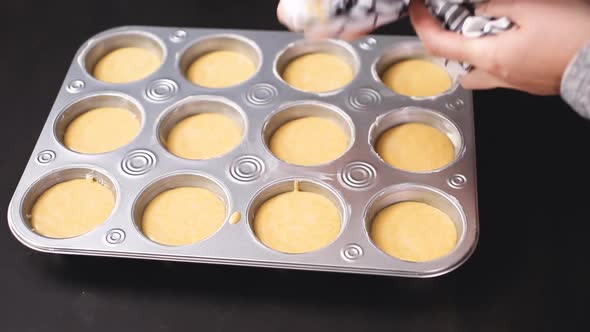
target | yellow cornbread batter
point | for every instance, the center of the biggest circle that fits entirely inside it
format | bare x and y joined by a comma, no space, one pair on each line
417,78
101,130
309,141
415,147
204,136
318,72
72,208
221,69
297,222
414,232
183,216
235,218
126,64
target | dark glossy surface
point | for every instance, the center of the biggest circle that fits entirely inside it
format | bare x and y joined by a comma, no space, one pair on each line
528,273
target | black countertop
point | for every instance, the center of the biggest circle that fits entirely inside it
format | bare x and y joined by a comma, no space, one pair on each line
528,273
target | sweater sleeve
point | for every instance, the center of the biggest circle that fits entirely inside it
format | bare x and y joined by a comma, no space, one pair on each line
575,84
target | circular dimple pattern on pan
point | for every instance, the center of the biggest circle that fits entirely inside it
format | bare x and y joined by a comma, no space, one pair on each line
247,168
138,162
368,43
455,105
457,181
364,99
161,90
262,94
358,175
76,86
178,36
115,236
352,252
45,157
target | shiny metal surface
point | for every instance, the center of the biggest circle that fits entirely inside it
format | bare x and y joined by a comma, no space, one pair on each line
359,182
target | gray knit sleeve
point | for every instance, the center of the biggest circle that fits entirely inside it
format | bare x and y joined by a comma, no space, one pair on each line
575,85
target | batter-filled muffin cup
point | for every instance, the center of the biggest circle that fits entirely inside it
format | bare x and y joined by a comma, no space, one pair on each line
124,57
202,127
408,71
181,209
416,140
318,67
220,61
100,123
308,134
417,78
69,203
296,216
414,223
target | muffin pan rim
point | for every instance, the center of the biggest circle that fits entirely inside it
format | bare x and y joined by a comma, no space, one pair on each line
418,49
356,66
240,39
92,172
168,111
327,107
404,188
458,153
251,215
94,41
96,95
227,201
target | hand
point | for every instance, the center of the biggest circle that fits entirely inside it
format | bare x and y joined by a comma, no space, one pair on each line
531,57
307,16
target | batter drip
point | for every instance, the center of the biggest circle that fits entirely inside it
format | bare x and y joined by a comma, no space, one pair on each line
235,218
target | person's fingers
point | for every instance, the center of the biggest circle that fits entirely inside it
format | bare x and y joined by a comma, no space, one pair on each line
479,79
443,43
318,35
291,13
498,8
281,13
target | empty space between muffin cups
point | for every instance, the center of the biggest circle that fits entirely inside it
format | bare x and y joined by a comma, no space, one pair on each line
99,123
220,61
123,57
202,127
69,202
321,67
414,223
416,140
181,209
407,70
297,216
308,133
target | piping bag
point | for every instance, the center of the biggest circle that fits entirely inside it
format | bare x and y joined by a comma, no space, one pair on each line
334,18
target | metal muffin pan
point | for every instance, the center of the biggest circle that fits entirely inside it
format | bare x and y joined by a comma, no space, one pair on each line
359,182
